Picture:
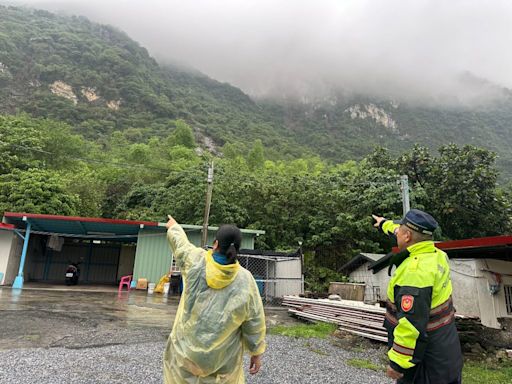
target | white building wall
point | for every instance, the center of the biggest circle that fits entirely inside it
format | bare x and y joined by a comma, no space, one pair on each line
6,241
504,269
466,292
289,277
14,261
372,291
381,280
471,280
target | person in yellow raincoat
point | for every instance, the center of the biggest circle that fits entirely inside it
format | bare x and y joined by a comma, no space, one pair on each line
220,314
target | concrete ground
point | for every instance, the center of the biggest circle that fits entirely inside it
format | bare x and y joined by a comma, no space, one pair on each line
95,335
87,316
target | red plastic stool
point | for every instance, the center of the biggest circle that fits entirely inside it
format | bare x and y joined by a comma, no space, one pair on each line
125,280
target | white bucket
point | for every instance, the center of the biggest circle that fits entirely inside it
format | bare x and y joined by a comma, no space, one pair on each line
151,288
166,288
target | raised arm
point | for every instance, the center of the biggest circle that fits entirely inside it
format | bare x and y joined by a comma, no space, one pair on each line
185,253
386,226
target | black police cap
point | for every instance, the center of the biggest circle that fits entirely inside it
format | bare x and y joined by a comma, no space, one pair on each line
419,221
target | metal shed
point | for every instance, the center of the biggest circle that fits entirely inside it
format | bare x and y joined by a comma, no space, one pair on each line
277,273
107,248
154,257
104,247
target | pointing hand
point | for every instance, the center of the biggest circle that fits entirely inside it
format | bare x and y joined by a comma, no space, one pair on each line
378,220
170,222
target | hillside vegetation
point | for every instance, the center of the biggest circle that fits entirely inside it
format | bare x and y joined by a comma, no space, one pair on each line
97,79
91,125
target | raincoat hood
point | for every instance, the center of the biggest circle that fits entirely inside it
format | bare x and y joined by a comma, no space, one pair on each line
219,276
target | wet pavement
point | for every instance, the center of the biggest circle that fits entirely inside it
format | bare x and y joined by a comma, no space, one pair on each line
97,336
74,318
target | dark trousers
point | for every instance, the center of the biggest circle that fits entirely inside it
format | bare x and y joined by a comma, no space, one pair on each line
458,381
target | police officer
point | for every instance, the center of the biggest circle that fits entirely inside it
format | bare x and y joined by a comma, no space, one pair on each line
423,343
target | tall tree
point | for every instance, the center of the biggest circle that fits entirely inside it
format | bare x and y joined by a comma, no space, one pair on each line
21,143
459,189
256,157
36,191
182,135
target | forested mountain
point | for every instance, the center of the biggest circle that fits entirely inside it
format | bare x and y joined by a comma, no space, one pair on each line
99,80
342,129
91,125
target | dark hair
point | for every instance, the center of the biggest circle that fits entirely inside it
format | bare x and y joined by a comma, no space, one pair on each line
229,238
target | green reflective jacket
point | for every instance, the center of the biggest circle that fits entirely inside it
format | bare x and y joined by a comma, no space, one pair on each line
420,317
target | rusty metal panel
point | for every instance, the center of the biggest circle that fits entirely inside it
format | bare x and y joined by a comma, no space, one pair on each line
348,291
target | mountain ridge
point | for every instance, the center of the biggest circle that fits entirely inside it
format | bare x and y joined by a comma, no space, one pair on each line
97,79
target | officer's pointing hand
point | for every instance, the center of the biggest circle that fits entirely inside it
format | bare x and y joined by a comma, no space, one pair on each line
378,220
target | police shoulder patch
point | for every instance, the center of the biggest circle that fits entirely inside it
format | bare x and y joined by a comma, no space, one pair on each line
407,302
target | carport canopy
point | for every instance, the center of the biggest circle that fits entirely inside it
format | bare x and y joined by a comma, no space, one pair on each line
69,226
82,227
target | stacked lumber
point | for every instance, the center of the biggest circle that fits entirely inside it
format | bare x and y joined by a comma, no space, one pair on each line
351,316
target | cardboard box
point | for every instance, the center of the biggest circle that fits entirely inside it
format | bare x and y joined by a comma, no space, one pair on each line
347,291
142,284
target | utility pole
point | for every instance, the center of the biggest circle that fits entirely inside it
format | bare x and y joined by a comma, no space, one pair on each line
404,188
204,238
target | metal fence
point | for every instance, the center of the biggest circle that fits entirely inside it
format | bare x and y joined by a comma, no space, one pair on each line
276,276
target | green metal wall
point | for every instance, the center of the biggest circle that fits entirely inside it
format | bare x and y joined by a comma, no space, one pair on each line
153,255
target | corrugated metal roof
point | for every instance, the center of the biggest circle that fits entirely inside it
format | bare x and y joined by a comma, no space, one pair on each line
213,228
121,230
359,260
373,256
94,226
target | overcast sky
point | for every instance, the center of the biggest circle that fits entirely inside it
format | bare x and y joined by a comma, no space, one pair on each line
404,49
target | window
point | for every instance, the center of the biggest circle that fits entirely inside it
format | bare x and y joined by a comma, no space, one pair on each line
508,298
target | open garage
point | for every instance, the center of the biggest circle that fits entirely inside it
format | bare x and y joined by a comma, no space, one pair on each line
39,248
103,249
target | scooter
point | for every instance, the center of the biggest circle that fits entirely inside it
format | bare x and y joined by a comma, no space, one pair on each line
72,274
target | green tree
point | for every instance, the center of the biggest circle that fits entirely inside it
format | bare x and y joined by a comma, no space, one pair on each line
465,201
90,189
36,191
182,135
21,143
256,157
231,151
459,189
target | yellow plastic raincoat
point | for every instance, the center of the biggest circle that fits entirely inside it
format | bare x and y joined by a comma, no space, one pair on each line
219,316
